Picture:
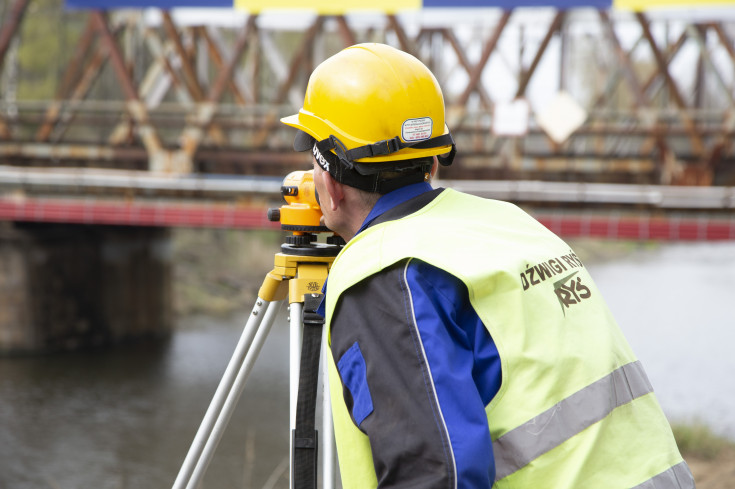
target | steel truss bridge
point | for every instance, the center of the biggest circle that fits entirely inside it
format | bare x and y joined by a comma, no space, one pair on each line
172,119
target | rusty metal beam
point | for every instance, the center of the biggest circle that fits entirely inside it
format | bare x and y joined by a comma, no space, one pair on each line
604,97
671,52
403,39
191,82
721,142
220,63
84,152
225,74
296,61
724,139
298,58
624,60
163,58
725,41
9,28
135,107
191,137
69,80
699,34
84,84
118,62
81,51
672,169
528,73
612,82
190,78
640,98
462,58
476,72
662,63
249,123
348,38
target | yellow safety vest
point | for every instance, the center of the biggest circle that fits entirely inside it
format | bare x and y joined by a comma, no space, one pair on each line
575,408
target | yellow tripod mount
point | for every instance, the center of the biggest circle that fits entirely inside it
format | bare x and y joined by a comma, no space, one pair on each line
304,274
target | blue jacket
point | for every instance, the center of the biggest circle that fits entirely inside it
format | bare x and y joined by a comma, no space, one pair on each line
459,362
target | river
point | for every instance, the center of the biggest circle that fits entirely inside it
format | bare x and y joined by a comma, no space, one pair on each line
124,417
675,306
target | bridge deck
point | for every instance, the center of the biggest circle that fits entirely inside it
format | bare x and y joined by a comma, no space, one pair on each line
138,198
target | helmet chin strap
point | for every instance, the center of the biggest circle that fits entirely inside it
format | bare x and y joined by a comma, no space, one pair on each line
409,172
382,148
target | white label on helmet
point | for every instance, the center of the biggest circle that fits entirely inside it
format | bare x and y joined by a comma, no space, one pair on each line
416,129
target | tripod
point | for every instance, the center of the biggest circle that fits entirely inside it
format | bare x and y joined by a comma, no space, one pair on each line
299,272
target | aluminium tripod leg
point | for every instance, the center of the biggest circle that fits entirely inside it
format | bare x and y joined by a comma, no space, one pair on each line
226,396
328,457
295,310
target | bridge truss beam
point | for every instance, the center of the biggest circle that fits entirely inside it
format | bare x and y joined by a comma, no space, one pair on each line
151,90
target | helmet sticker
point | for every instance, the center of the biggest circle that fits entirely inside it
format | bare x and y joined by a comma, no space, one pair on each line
416,129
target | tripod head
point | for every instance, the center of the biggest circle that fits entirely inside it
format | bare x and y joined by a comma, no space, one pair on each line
301,215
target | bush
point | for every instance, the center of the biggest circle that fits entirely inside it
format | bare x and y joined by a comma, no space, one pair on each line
699,441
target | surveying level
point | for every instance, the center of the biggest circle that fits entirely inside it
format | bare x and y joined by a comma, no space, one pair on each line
302,213
299,272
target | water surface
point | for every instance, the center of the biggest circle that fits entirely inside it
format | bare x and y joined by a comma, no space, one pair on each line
676,306
125,417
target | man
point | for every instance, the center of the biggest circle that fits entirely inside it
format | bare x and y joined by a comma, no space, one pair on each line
470,347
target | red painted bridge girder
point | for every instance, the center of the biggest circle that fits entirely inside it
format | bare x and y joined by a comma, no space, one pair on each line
232,216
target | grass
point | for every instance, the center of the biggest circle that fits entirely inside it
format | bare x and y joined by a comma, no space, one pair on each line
219,271
699,441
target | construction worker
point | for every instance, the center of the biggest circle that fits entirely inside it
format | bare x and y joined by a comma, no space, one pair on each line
469,346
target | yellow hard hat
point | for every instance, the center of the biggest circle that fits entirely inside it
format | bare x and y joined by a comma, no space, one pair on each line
373,106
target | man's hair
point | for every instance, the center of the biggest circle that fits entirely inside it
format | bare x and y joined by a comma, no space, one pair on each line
368,199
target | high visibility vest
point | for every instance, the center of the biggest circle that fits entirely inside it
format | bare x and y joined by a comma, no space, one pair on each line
575,409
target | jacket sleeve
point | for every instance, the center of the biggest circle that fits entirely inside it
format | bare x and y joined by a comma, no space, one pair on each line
417,368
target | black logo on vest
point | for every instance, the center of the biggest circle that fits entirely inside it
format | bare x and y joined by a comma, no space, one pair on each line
570,291
538,273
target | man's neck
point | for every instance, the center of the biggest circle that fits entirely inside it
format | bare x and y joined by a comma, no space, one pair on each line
390,200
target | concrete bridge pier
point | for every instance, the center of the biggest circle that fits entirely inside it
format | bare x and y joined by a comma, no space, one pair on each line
72,286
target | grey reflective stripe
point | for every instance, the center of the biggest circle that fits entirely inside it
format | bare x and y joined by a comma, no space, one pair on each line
568,417
677,477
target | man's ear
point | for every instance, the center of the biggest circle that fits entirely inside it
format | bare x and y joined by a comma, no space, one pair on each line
334,189
434,167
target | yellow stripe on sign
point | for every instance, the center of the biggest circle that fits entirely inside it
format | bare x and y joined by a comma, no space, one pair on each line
329,7
641,5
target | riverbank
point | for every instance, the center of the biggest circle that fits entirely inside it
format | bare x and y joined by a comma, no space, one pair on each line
710,457
219,271
714,474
